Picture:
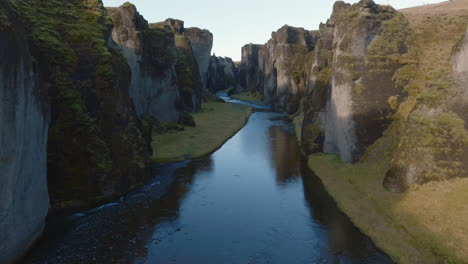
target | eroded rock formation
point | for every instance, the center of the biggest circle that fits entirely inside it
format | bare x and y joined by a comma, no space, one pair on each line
188,73
352,95
223,74
252,67
201,41
276,69
152,56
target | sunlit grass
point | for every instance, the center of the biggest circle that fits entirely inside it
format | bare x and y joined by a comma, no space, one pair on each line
216,123
427,224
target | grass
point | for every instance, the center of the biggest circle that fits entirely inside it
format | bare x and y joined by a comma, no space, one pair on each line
216,123
248,96
427,224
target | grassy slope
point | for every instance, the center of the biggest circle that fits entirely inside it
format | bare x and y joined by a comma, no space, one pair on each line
425,225
216,123
429,223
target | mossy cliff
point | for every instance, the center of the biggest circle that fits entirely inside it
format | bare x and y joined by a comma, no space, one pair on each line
188,73
351,91
152,56
433,136
95,148
252,67
387,93
276,69
223,74
201,41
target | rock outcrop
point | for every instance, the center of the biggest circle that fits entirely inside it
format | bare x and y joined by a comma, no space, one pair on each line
201,41
223,74
24,120
252,67
152,56
188,73
352,93
433,142
287,50
276,69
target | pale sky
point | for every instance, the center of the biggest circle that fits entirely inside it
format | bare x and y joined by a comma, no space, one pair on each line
235,23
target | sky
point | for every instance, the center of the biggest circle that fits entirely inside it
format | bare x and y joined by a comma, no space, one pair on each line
235,23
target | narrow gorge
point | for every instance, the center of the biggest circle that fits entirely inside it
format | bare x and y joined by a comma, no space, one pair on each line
125,140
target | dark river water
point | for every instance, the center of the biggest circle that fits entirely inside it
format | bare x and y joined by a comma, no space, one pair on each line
252,201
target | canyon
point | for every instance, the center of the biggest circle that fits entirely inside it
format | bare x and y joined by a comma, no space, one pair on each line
377,94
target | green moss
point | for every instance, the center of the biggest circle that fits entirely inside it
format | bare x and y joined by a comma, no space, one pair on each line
391,37
89,141
310,134
5,23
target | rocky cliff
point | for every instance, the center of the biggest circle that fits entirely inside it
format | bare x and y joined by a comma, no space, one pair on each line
201,41
24,119
95,148
152,56
187,70
252,67
276,69
432,143
223,74
351,91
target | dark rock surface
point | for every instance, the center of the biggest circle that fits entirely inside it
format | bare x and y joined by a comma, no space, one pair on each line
24,119
201,41
223,74
152,56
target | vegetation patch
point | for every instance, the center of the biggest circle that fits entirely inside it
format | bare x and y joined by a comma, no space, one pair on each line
216,123
424,225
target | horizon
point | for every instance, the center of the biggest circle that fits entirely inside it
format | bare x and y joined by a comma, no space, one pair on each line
231,33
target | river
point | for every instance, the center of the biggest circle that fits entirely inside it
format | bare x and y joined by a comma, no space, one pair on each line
252,201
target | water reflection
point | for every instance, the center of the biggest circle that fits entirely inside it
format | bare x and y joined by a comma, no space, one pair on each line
252,201
285,154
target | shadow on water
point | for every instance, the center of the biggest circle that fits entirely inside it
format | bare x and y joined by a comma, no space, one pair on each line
252,201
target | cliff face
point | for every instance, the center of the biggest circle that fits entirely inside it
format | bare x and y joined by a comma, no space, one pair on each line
223,74
151,55
201,41
95,148
287,52
24,118
187,70
352,94
433,140
276,69
251,68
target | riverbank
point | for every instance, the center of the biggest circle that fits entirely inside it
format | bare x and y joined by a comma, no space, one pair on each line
215,124
427,224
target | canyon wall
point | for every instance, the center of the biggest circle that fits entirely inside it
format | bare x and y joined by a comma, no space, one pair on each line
201,41
95,148
187,70
276,69
24,119
152,56
223,74
433,143
251,68
77,84
351,92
